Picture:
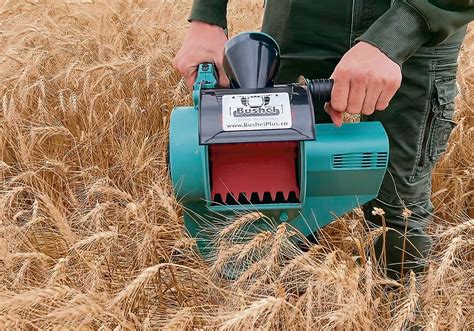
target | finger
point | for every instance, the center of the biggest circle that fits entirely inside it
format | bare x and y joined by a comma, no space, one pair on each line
336,116
385,97
223,80
340,93
356,96
371,97
190,77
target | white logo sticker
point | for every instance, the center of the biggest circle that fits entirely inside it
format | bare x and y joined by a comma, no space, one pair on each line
247,112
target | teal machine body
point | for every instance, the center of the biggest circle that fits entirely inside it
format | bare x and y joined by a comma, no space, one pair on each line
264,159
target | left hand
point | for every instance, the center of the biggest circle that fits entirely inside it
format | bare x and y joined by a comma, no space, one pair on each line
365,80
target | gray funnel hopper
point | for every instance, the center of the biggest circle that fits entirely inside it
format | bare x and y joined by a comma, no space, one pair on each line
251,60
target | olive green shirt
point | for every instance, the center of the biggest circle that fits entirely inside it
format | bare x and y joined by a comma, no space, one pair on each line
403,29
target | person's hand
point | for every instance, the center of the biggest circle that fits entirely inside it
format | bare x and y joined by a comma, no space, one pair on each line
203,43
365,80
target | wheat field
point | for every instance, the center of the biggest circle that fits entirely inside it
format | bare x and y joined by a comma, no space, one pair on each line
92,238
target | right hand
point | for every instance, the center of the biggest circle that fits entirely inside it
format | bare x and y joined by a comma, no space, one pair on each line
203,43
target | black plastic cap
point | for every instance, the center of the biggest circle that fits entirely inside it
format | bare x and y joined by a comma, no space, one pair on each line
321,89
251,60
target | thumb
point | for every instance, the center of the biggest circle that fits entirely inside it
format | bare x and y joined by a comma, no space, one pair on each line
336,117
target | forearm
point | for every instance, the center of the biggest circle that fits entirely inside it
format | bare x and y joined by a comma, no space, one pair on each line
210,11
410,24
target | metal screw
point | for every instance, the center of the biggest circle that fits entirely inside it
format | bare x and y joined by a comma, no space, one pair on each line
284,216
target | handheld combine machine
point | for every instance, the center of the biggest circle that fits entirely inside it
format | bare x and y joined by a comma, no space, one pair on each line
255,146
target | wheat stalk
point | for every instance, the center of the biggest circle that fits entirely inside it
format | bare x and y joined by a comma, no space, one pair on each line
406,311
238,223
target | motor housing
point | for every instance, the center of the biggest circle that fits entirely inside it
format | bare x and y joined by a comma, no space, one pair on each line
227,156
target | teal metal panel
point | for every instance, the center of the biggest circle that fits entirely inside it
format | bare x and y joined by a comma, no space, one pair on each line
320,211
362,154
348,182
187,158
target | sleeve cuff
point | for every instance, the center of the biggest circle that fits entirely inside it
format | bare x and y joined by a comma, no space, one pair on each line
398,33
210,11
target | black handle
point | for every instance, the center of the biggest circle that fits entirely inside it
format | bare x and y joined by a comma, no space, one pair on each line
320,89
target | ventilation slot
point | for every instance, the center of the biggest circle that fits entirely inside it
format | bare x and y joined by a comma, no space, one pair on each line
360,161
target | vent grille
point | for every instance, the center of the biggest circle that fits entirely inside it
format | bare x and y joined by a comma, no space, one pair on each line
360,160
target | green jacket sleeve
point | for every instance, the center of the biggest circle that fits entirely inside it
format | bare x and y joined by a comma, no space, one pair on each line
210,11
410,24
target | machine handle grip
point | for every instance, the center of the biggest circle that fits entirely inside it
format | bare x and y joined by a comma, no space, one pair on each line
321,89
206,75
206,78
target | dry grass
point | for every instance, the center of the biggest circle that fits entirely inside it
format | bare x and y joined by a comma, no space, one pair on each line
91,237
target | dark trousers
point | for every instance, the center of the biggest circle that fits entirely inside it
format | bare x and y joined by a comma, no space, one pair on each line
313,36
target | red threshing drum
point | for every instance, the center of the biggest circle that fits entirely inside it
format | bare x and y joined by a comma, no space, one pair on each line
254,172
